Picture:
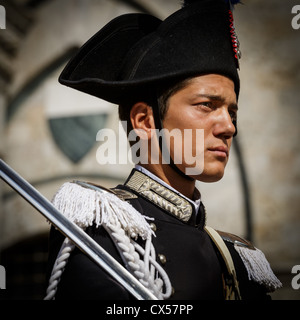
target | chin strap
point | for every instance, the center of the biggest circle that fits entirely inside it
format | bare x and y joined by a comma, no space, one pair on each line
161,142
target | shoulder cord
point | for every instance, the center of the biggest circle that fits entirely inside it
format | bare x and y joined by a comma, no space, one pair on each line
232,291
58,268
147,271
142,263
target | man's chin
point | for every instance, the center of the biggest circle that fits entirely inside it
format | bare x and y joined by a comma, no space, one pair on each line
208,178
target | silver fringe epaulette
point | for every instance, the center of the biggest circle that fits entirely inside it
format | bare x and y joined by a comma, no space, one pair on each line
256,264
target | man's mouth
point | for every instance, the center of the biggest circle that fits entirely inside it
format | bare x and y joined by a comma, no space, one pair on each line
221,151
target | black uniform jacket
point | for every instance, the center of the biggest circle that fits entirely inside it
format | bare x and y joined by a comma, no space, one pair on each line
183,248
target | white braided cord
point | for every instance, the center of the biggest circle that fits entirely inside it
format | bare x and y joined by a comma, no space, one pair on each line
142,263
59,266
146,270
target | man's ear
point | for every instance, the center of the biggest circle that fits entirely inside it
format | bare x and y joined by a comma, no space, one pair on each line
141,116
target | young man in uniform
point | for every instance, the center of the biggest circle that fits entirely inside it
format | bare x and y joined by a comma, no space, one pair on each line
176,74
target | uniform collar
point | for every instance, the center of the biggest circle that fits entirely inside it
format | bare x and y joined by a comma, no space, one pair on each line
196,197
161,194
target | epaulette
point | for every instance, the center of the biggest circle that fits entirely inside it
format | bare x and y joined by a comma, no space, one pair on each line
256,264
236,240
124,194
86,204
120,193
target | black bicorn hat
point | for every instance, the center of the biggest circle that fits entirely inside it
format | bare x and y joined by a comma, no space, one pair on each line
136,53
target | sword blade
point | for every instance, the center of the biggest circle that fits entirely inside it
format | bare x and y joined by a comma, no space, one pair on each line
84,242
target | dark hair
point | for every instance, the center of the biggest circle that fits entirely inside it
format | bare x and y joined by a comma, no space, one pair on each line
161,96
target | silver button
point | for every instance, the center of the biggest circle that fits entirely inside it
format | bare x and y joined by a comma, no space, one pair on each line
162,258
173,291
153,226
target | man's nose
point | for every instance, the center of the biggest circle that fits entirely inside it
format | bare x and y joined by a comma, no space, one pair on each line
223,124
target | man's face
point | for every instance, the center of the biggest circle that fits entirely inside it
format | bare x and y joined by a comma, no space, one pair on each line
207,102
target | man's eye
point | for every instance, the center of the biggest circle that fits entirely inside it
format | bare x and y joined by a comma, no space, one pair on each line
205,105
